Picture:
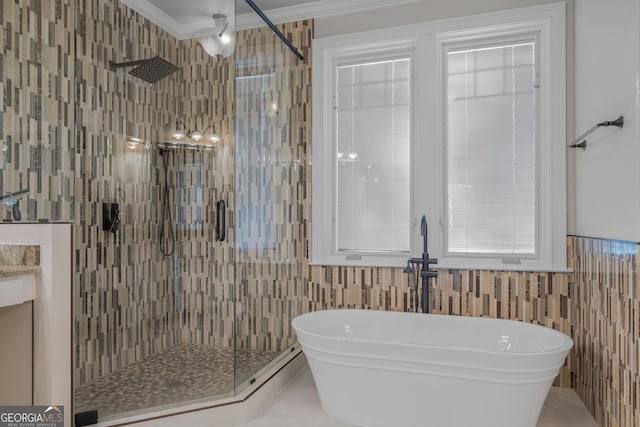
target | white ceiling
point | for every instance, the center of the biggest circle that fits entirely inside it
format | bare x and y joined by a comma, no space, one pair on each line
188,18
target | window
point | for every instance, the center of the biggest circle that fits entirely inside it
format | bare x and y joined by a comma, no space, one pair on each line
461,120
372,143
491,149
363,203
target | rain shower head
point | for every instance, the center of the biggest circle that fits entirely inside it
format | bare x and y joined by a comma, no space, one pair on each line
150,70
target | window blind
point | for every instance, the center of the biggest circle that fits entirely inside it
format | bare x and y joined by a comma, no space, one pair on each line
372,162
491,150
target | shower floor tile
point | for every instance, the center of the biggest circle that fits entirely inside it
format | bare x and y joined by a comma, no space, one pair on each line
184,372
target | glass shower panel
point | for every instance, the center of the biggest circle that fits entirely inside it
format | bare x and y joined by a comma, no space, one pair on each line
125,341
153,296
203,260
203,290
268,208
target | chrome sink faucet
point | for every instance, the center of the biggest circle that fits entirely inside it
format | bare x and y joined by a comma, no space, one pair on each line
11,201
424,262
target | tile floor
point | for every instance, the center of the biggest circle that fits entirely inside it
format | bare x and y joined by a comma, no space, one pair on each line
183,373
298,406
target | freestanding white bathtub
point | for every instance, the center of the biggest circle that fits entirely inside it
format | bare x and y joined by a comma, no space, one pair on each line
392,369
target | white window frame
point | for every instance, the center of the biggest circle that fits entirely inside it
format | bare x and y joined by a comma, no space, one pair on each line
428,43
332,53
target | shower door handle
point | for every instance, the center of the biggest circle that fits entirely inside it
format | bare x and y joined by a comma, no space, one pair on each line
221,220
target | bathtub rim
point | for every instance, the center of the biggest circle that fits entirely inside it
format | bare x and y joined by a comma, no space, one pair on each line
564,348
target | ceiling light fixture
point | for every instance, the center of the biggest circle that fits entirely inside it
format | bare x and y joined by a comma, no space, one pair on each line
222,42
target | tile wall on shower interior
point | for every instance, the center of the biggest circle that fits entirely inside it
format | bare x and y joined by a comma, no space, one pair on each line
205,276
130,300
123,287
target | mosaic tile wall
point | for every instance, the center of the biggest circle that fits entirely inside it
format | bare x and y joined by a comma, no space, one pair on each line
607,327
273,88
124,292
205,270
37,146
204,275
262,153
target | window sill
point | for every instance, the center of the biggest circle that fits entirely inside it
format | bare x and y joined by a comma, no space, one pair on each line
365,261
401,263
514,267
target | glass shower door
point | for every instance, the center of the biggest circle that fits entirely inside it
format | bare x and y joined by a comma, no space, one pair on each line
153,311
269,202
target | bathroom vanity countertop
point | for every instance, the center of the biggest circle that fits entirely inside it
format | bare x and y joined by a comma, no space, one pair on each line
18,270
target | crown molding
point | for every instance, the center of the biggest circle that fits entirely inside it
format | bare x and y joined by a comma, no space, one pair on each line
317,9
155,15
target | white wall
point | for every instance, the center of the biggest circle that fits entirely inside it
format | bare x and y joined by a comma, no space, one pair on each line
413,13
607,81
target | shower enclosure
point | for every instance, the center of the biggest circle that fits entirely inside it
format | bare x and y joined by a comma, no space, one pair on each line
193,312
161,318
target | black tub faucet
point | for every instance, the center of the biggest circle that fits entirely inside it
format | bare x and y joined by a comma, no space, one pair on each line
425,271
